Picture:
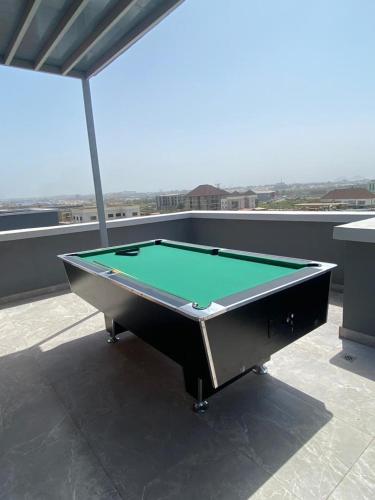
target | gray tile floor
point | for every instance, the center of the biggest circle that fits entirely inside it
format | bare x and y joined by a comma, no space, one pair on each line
86,420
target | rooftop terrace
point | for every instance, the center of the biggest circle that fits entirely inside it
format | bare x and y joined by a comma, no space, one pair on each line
84,419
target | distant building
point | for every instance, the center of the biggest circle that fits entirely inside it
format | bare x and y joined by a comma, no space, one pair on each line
265,195
170,202
239,201
205,197
90,214
351,197
371,186
65,215
25,218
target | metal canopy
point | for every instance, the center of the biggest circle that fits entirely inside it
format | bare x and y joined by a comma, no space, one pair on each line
76,38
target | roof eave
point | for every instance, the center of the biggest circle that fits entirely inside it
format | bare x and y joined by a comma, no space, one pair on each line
106,49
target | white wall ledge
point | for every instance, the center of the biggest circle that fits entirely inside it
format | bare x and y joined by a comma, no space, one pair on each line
285,215
282,216
362,231
38,232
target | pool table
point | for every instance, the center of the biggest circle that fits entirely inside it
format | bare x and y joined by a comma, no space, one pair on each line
218,313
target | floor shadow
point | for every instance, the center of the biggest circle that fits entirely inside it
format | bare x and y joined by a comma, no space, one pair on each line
70,327
134,419
356,358
8,304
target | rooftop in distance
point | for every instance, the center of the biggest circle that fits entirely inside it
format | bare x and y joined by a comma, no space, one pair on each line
207,190
348,193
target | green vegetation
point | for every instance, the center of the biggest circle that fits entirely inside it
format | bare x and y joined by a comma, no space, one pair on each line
287,204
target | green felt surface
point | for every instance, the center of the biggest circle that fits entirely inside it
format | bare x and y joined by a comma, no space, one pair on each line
192,275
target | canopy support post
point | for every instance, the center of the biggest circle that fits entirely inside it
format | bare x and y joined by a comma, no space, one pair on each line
95,162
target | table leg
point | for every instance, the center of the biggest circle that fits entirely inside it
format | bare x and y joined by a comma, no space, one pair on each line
201,405
260,369
113,329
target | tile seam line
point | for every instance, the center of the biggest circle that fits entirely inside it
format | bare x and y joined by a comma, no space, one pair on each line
350,468
230,445
97,458
233,448
300,441
273,476
372,436
251,459
349,424
78,429
281,481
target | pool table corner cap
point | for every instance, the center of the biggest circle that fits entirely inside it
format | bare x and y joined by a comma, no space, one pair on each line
200,314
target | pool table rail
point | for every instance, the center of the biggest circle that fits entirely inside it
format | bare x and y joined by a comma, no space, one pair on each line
186,307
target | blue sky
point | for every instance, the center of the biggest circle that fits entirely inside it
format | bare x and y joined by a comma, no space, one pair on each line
236,93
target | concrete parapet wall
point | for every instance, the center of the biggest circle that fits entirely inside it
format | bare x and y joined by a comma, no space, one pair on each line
28,256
